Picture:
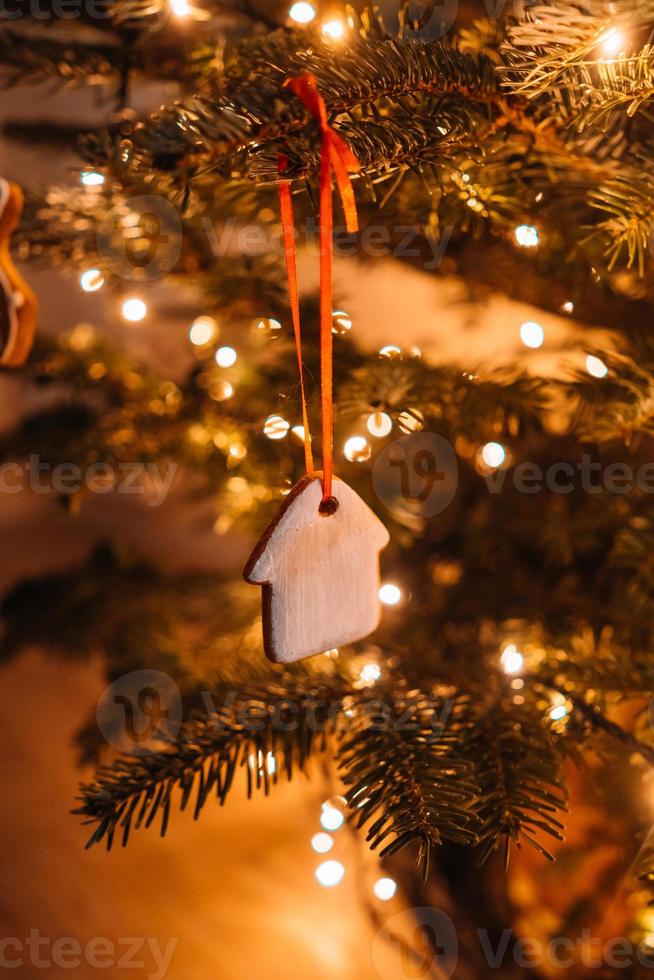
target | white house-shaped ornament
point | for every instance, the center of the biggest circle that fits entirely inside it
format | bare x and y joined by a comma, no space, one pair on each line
319,572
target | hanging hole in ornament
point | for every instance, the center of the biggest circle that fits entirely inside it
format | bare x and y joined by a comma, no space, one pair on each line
328,507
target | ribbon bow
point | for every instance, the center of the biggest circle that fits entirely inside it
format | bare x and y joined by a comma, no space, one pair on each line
337,158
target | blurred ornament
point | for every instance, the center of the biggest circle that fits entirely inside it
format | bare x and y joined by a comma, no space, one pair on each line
203,331
357,449
275,427
411,420
91,280
379,424
341,323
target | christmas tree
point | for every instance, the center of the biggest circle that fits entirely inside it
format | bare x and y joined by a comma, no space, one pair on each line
502,157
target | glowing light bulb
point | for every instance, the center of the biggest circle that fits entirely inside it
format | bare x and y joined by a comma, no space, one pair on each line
341,322
134,309
331,818
334,29
357,449
203,330
390,594
91,280
322,843
596,366
384,889
527,236
493,454
275,427
379,424
613,42
370,673
568,307
225,357
512,660
268,324
302,13
558,712
330,873
180,8
532,334
92,178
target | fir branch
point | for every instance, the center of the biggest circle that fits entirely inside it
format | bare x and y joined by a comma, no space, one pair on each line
405,779
518,766
262,735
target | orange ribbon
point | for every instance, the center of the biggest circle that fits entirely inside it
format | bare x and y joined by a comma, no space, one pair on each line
336,157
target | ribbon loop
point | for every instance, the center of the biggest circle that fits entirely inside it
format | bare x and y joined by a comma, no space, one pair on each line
335,158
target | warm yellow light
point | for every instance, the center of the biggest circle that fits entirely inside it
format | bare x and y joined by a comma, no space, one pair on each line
390,350
411,421
268,325
357,449
558,712
512,660
331,818
370,673
92,178
493,454
225,357
322,843
302,13
134,309
596,366
384,889
341,322
257,762
203,330
334,29
180,8
390,594
379,424
527,236
220,391
532,334
298,432
275,427
613,42
330,873
91,280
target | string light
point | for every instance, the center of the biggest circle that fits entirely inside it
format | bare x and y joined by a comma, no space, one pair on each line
613,42
92,178
379,424
302,13
493,454
390,594
91,280
527,236
330,873
558,712
568,307
268,324
257,762
334,29
357,449
512,660
341,323
384,889
225,357
370,673
220,391
412,420
322,843
134,309
275,427
532,334
331,818
180,8
203,330
596,366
